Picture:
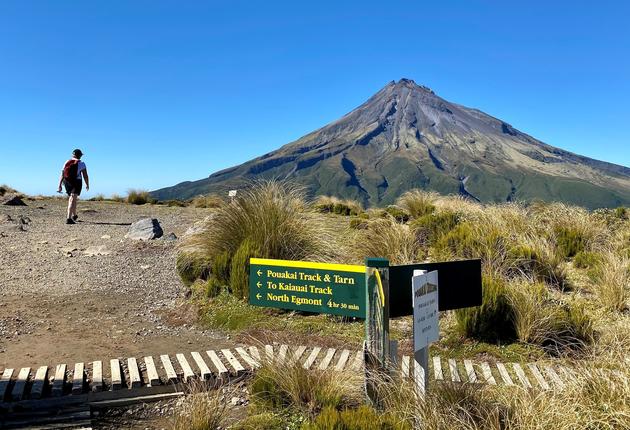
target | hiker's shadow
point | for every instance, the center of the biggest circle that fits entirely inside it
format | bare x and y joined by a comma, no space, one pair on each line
104,223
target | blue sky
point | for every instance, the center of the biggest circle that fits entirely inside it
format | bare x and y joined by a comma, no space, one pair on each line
158,92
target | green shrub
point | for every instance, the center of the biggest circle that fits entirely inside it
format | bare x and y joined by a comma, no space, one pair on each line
432,227
397,213
569,241
140,197
417,203
239,268
622,213
209,201
586,260
192,266
572,329
537,261
327,204
493,321
361,418
262,421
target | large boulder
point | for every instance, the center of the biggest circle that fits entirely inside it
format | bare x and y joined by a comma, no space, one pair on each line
145,229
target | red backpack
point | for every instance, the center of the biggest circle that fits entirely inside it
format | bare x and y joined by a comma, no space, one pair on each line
71,170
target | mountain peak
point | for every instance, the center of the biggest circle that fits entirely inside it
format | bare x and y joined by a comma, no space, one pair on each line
405,136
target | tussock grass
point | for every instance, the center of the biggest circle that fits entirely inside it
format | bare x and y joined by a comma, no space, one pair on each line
387,238
139,197
418,203
613,274
5,189
208,201
203,410
329,204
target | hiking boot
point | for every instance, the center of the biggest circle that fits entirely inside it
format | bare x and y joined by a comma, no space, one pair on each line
70,221
74,217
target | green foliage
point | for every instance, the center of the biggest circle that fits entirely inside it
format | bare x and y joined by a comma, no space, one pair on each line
209,201
206,289
572,329
140,197
493,321
622,213
432,227
361,418
384,237
239,267
417,203
569,241
192,266
586,260
262,421
399,214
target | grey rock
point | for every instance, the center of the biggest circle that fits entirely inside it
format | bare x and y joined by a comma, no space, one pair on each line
145,229
170,237
12,200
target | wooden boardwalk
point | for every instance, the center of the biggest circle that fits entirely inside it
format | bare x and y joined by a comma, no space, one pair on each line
123,381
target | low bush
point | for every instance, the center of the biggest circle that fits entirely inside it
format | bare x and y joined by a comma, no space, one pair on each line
384,237
280,386
192,266
173,203
622,213
493,321
208,201
140,197
432,227
397,213
586,260
117,198
98,198
361,418
262,421
417,203
569,241
327,204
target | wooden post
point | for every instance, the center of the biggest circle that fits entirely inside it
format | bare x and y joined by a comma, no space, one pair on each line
377,345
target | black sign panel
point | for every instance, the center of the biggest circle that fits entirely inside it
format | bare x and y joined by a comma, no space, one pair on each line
459,284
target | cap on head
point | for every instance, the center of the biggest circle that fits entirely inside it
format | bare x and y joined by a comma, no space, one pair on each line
77,153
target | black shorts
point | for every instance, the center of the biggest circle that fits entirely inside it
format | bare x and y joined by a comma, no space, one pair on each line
73,187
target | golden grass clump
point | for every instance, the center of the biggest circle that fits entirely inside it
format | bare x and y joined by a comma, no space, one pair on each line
331,204
417,202
208,201
384,237
203,410
139,197
268,220
5,189
613,281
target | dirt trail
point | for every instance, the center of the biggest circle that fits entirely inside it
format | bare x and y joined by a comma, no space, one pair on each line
58,303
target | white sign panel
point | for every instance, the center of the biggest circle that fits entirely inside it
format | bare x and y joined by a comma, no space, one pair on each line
232,193
425,309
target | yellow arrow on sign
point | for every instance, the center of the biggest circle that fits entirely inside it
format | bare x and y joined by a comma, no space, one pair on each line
258,296
259,272
258,284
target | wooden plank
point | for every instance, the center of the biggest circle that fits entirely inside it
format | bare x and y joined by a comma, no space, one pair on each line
358,360
452,366
269,352
538,376
97,376
554,377
253,351
251,363
188,372
327,359
78,378
20,384
298,354
236,365
152,374
39,383
418,379
437,368
116,374
470,371
282,355
404,366
487,373
520,373
4,383
204,370
216,361
312,357
134,373
171,375
59,381
343,359
504,374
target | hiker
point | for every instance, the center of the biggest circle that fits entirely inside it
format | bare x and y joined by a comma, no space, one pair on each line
72,175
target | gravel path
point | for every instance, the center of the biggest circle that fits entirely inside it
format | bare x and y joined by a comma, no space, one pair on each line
83,292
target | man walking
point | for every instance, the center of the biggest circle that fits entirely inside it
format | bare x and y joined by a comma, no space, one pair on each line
72,175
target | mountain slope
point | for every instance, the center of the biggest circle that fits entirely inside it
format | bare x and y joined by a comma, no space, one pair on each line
404,137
